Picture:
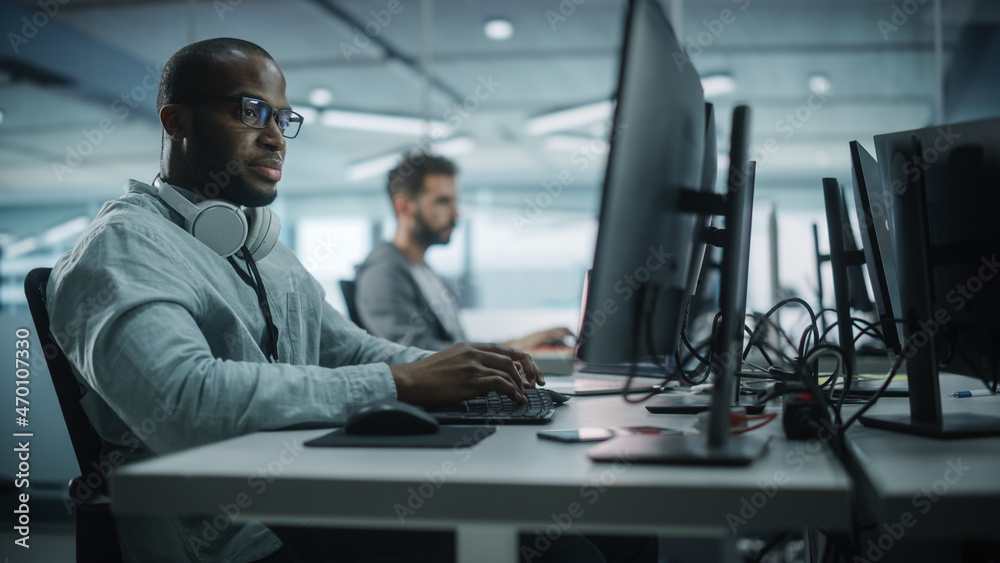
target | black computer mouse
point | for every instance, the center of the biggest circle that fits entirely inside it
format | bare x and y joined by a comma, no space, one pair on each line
389,417
557,397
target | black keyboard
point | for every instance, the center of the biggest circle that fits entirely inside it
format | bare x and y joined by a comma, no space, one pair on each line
498,409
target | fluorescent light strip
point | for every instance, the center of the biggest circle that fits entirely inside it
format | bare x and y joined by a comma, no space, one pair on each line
454,146
717,84
309,115
382,164
573,143
570,118
50,236
62,231
20,247
382,123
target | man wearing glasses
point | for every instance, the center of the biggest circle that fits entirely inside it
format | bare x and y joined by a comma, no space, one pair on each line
177,305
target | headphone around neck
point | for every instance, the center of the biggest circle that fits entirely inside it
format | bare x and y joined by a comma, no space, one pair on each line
223,226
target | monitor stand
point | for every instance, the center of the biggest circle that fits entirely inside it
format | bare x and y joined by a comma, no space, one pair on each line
694,404
720,446
680,450
950,425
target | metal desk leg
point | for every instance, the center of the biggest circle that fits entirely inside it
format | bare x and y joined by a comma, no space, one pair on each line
486,543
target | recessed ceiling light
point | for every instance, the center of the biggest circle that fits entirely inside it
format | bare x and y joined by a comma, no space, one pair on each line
820,84
717,84
320,97
498,29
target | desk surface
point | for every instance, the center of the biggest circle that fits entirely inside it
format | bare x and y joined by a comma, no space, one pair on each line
950,488
512,478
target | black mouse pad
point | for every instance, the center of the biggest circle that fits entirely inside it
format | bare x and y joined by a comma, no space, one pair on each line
446,437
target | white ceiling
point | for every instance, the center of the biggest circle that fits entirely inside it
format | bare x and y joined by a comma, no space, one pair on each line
772,47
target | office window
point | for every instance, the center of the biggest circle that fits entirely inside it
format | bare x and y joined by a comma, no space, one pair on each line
329,248
530,278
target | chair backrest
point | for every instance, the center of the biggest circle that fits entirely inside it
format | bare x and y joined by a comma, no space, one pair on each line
86,442
349,288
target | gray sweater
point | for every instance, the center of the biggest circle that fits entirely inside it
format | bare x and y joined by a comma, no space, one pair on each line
391,304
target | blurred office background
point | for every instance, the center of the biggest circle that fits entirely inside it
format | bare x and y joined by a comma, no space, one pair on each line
490,81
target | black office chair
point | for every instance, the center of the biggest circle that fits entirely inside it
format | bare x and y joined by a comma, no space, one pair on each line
349,288
96,538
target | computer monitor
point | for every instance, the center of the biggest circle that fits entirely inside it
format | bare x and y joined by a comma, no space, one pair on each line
846,260
720,447
645,242
709,174
876,242
857,289
943,185
651,208
703,282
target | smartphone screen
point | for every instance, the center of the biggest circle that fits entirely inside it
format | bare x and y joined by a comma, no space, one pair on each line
578,435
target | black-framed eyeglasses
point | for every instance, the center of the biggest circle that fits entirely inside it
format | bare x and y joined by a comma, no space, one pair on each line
258,113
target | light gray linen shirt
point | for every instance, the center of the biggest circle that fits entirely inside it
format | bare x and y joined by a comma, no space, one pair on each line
166,339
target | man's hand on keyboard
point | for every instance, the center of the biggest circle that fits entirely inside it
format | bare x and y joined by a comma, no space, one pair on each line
464,371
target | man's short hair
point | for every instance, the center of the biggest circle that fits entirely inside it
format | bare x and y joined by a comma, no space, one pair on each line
408,177
188,70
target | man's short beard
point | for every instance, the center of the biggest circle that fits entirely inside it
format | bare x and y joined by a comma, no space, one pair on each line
233,188
211,178
424,234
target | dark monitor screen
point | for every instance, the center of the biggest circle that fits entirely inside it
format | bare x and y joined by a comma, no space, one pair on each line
857,290
876,242
958,168
944,185
645,243
709,174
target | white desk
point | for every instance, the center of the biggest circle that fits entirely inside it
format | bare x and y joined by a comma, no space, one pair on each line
939,489
525,482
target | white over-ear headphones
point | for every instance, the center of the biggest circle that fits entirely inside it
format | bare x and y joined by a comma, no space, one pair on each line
221,225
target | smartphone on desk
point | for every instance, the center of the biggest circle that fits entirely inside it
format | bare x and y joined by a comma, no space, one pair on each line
601,434
578,435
